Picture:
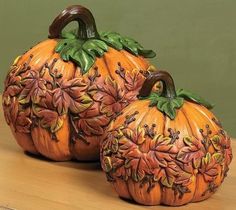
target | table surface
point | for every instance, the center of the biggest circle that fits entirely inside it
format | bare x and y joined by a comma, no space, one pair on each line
27,183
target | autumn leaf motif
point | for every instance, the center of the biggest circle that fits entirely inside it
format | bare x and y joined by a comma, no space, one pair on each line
12,77
92,121
136,163
209,167
162,159
222,143
48,118
11,108
23,122
192,152
139,164
227,150
137,136
34,88
110,144
111,96
216,142
71,95
133,80
162,151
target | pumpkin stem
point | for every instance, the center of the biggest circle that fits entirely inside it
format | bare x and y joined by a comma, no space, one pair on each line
168,90
87,27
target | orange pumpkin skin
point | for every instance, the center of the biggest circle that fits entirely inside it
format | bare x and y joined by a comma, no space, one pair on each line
61,113
153,160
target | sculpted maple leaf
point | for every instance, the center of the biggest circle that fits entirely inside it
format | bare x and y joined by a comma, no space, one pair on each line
71,95
110,143
92,121
136,163
192,152
162,151
133,80
48,118
222,143
111,96
23,122
11,108
209,167
12,77
137,136
162,156
34,88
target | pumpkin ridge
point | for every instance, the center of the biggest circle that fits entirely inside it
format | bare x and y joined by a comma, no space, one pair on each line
185,115
52,92
135,65
32,50
209,119
127,60
107,66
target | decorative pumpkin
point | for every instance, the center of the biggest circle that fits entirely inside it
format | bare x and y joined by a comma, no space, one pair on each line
61,94
166,148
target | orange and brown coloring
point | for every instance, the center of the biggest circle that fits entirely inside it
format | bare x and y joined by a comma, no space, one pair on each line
154,157
61,94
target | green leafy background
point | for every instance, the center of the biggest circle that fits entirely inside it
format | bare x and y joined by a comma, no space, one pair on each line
194,40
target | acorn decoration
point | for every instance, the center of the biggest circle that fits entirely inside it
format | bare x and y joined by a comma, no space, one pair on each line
60,95
166,148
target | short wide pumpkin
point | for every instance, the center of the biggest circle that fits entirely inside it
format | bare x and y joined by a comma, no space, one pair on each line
166,148
61,94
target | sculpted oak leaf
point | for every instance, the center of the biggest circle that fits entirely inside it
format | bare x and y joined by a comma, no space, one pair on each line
34,88
111,96
71,95
192,152
92,121
209,167
48,118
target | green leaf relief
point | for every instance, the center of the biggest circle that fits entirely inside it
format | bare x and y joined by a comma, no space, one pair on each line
170,105
166,105
193,97
85,52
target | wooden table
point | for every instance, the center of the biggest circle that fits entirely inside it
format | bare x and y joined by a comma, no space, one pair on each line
29,183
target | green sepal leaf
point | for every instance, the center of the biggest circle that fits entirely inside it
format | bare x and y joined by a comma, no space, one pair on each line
146,53
188,96
85,52
119,42
166,105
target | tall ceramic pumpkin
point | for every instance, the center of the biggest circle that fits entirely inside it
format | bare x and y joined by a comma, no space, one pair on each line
61,94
